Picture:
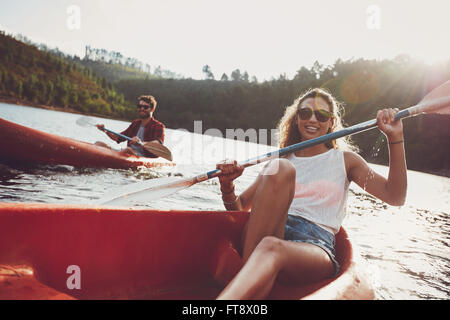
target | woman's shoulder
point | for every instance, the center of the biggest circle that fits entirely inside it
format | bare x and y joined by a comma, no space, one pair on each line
352,157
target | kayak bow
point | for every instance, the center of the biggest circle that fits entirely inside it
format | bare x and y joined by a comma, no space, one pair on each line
26,145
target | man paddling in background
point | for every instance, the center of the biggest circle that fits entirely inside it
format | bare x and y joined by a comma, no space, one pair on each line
144,129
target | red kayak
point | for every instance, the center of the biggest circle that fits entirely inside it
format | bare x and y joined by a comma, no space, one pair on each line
30,146
66,252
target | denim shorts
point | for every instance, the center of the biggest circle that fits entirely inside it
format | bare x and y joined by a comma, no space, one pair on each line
299,229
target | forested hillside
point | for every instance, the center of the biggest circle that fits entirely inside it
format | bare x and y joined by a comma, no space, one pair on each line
31,75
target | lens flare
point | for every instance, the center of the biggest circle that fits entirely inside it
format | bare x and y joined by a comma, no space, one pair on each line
359,87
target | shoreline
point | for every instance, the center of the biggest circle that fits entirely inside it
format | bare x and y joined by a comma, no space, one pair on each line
12,100
26,103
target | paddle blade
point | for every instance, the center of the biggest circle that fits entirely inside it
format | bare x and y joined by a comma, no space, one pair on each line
146,191
86,122
437,100
158,149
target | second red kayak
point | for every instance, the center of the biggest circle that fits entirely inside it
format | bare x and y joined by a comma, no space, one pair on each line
26,145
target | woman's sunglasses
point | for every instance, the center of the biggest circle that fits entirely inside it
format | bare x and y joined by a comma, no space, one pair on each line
321,115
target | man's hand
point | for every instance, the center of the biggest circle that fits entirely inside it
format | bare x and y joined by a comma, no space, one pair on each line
135,141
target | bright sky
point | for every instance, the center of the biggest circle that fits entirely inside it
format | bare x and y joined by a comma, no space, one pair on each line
265,38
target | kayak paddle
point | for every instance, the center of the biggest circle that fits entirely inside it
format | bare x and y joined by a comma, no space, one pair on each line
436,101
152,146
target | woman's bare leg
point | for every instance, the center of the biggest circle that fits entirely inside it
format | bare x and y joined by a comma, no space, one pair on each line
291,261
270,205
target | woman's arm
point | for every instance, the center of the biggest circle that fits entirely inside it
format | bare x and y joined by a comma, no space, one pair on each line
393,189
232,202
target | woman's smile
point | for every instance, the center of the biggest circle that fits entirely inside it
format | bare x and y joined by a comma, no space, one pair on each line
312,129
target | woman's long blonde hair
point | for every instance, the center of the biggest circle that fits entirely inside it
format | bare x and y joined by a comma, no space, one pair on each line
288,130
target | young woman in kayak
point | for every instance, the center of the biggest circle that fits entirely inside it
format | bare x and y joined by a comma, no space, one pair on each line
298,203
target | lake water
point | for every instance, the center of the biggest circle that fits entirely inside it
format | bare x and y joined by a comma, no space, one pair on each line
405,250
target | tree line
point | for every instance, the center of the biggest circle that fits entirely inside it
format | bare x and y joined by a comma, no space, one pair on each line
114,66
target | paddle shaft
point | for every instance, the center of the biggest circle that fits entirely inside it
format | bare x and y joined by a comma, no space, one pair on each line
83,121
120,135
364,126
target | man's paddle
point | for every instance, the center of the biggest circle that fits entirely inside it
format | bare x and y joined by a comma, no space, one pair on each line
436,101
152,146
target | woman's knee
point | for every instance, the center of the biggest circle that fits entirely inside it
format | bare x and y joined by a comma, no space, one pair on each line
270,248
280,172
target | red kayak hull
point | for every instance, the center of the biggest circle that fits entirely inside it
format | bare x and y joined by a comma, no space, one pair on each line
139,254
26,145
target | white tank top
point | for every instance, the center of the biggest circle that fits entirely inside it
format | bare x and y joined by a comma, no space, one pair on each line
321,189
